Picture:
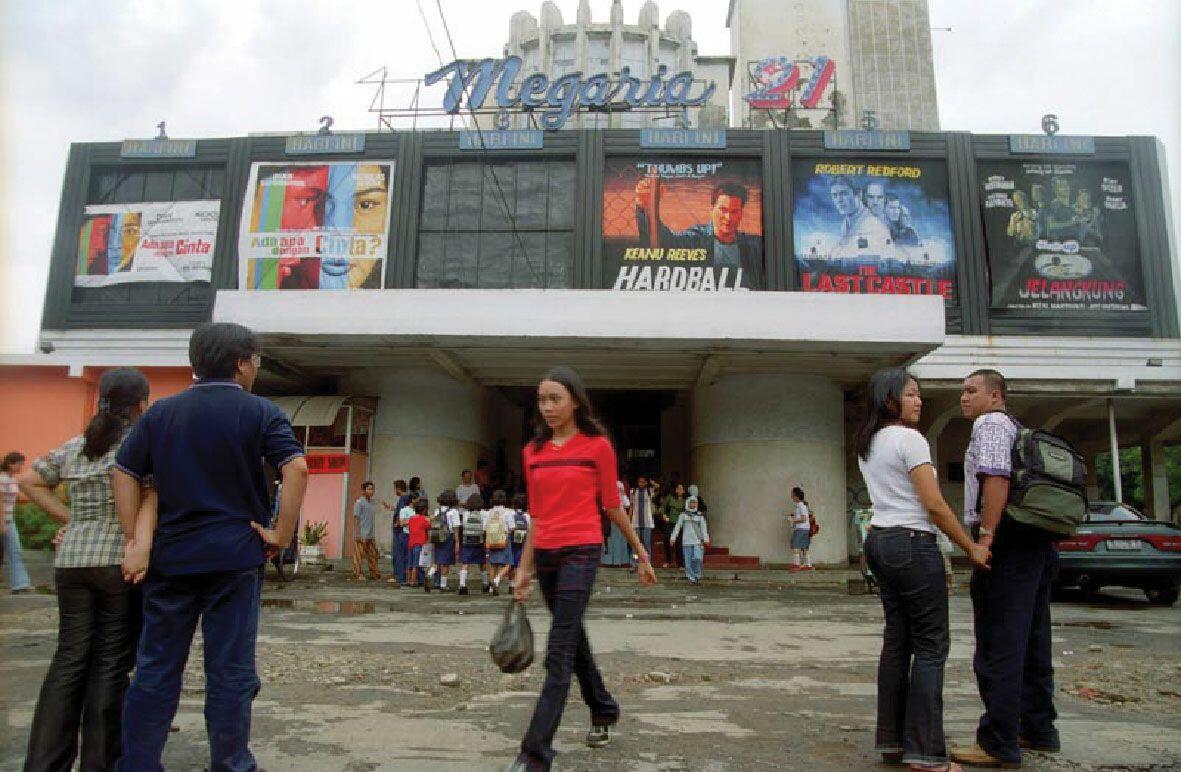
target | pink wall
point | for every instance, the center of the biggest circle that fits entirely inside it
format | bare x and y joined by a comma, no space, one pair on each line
42,407
323,502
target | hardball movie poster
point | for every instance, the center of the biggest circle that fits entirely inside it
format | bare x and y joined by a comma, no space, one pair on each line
683,224
1061,236
873,227
126,243
319,225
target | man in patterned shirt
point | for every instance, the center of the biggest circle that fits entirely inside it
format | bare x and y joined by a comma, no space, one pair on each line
1010,602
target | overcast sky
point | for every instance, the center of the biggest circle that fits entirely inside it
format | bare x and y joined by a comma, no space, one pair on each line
87,70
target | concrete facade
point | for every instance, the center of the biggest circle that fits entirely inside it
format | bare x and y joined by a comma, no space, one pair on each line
881,48
754,438
554,48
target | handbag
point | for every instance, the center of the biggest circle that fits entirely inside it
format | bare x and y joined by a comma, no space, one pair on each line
512,644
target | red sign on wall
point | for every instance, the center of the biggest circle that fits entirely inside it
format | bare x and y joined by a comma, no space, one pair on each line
328,463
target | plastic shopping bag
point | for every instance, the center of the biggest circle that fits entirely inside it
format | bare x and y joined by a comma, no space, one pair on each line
512,645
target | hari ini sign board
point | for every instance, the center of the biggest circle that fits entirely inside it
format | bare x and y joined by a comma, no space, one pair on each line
556,100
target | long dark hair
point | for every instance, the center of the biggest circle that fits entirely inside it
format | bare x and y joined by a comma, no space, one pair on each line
584,411
798,492
883,404
119,393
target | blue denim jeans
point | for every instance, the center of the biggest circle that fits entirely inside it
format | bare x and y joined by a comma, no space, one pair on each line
400,554
226,603
1013,662
909,570
694,558
18,575
566,577
645,535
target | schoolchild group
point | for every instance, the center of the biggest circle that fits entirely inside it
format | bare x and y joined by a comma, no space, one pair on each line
469,532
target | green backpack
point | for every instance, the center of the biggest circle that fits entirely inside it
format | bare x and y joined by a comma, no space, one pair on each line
1048,486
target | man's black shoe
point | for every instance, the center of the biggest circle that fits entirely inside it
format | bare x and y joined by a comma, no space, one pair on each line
598,737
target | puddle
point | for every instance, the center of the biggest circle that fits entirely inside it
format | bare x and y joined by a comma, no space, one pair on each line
335,607
1095,625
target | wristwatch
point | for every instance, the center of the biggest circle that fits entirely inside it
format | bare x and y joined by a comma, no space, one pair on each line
641,558
984,530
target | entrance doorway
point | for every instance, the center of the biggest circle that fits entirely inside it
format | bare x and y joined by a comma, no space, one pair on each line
649,428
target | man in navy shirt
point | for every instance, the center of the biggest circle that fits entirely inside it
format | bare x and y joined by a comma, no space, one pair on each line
203,450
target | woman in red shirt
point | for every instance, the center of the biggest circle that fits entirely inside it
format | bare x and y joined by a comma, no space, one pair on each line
570,477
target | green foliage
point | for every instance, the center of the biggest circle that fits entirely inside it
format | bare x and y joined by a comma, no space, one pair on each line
35,527
1132,476
313,532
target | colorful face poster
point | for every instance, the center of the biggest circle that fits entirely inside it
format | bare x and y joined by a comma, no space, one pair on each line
1061,236
873,227
316,225
683,224
124,243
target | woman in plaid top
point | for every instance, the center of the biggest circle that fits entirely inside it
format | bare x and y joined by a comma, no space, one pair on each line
98,611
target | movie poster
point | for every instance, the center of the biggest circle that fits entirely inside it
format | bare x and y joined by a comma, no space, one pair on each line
873,227
315,225
124,243
683,224
1061,236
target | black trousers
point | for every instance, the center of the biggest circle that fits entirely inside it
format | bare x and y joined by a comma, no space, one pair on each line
567,577
98,626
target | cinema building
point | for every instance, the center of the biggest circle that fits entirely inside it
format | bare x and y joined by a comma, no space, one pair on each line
725,294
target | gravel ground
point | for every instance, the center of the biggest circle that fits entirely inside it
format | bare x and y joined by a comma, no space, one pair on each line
768,672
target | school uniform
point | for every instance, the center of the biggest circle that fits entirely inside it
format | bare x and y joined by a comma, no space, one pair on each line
445,551
518,548
472,554
503,556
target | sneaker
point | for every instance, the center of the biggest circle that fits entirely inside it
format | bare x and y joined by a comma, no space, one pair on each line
598,737
808,568
22,590
1044,747
463,590
793,567
975,756
392,581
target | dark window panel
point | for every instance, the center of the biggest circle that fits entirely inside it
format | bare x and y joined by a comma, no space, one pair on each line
430,261
437,181
102,186
215,182
529,264
130,189
189,185
463,208
495,262
158,185
559,261
561,196
500,197
531,194
459,261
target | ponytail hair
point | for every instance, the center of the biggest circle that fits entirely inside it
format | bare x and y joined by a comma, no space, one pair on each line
120,391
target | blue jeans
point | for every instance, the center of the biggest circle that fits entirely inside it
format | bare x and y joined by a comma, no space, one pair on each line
400,554
226,602
1013,663
566,577
909,570
645,535
18,575
694,557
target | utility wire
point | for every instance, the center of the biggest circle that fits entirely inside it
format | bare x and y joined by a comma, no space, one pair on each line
484,152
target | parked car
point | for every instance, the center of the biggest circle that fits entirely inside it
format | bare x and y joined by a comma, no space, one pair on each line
1116,546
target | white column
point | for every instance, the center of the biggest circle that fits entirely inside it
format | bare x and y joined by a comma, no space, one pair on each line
756,436
1117,482
427,424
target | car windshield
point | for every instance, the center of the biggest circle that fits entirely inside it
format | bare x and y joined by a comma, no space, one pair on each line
1115,514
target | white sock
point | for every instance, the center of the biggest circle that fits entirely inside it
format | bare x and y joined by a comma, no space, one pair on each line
463,577
443,581
496,581
431,572
483,579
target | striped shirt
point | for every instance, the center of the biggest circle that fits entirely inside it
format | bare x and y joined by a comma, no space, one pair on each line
94,536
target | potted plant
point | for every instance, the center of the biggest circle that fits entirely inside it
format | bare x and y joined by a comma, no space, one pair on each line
313,534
